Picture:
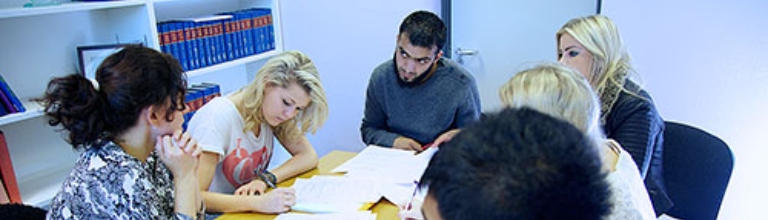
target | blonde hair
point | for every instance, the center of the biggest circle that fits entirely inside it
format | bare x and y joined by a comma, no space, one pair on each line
558,91
282,70
600,36
611,63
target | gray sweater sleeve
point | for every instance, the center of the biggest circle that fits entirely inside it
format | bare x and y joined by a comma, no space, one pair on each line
374,128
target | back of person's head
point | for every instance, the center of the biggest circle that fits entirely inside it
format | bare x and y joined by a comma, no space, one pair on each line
600,36
282,70
128,81
19,211
518,164
558,91
424,29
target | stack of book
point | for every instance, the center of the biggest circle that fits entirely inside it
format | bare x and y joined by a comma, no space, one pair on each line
10,102
209,40
197,95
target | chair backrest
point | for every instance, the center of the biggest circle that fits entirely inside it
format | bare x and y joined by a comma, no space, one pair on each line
697,168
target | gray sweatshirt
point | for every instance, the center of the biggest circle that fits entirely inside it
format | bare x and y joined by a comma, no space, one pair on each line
447,100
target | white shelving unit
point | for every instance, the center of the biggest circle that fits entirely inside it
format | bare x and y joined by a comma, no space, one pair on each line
40,43
17,12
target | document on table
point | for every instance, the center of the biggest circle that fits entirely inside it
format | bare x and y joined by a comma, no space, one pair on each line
387,164
333,194
398,194
361,215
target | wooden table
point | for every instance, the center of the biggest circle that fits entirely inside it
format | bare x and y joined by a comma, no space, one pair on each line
384,209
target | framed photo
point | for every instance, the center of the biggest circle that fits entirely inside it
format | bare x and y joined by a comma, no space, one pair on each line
91,56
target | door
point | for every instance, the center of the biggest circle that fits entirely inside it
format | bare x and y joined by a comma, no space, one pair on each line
499,38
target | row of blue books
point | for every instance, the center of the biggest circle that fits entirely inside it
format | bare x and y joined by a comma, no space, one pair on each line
209,40
10,102
197,95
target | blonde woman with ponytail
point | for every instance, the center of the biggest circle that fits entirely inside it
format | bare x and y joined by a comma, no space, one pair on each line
563,93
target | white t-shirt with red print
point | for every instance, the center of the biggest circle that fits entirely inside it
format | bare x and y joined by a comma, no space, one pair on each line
218,128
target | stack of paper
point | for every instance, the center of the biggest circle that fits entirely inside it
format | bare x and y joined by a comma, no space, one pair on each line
334,194
387,164
361,215
396,171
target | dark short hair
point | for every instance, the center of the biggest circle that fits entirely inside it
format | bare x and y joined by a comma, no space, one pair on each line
518,164
424,29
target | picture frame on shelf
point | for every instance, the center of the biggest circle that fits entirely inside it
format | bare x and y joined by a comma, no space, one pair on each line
91,56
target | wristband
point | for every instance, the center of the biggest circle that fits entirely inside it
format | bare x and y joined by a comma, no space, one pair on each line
267,177
271,176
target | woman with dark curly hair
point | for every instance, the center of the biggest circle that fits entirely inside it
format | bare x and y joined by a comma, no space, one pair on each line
136,162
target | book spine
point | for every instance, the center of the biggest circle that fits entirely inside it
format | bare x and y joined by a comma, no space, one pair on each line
212,42
270,30
200,46
173,45
182,45
239,36
229,32
7,106
221,50
208,36
18,107
257,26
191,36
248,21
161,38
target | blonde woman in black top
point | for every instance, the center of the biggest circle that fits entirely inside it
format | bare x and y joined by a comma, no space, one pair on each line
592,45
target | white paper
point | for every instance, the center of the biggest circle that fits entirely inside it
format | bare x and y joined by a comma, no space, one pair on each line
398,194
330,194
362,215
387,164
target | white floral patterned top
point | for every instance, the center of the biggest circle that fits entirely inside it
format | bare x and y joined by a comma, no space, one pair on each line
107,183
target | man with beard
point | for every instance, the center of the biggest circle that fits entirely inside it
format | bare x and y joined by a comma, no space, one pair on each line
418,98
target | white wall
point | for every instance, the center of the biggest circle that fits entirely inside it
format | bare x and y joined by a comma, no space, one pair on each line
704,64
346,39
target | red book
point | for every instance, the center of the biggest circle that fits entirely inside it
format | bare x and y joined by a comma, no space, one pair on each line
10,186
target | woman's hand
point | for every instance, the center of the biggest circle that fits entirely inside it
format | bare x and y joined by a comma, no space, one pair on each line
255,187
179,153
276,201
187,143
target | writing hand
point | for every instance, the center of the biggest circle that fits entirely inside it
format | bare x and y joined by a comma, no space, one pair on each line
276,201
255,187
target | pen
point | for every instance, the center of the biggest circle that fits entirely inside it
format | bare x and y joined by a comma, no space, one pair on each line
415,190
426,146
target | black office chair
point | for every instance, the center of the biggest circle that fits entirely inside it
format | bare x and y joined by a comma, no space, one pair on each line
697,168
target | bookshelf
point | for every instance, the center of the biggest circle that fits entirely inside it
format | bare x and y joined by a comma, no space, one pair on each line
33,110
41,43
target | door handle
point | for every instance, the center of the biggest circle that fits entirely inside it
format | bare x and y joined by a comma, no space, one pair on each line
464,52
